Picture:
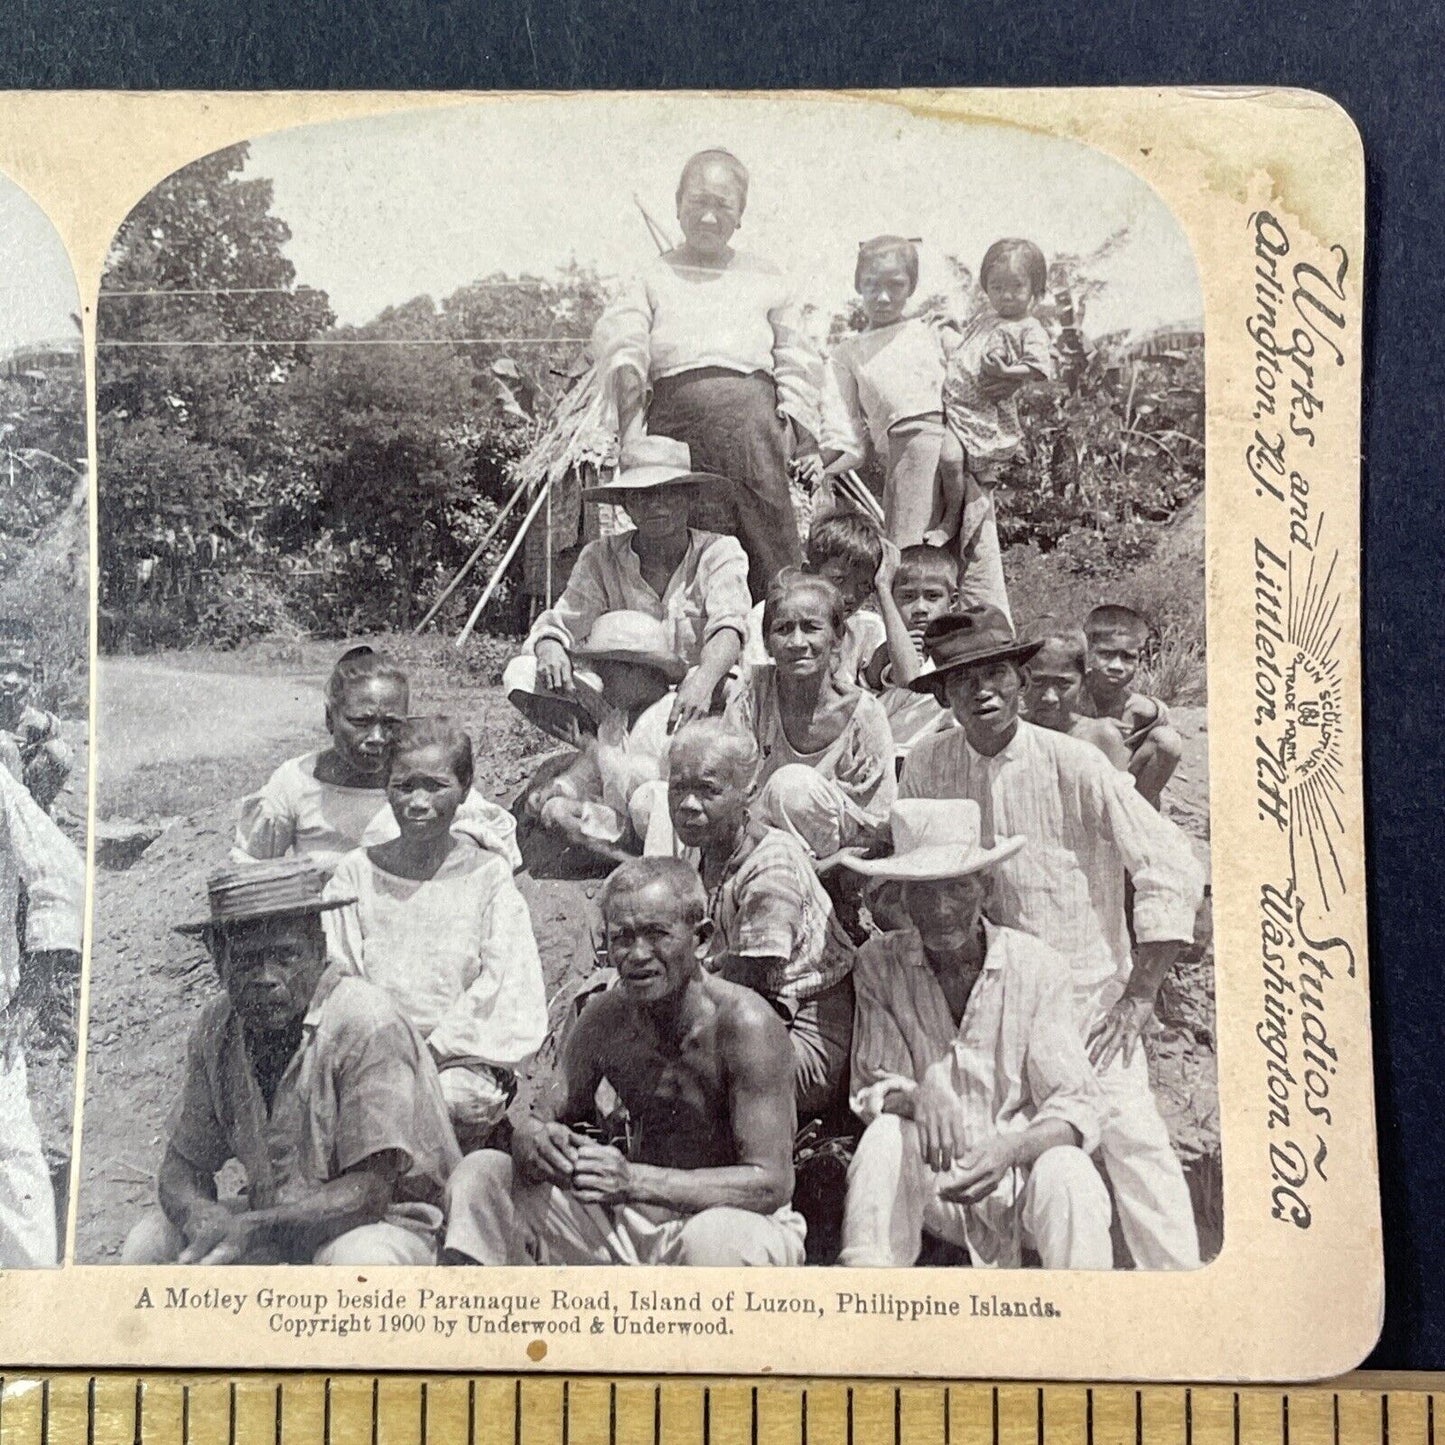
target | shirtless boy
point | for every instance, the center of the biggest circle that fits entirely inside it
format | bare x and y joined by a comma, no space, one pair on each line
1116,637
1055,686
704,1071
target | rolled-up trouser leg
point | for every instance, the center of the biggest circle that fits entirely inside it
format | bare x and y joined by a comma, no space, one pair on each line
1066,1211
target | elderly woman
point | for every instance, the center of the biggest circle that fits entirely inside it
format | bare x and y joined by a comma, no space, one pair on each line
827,772
705,346
692,581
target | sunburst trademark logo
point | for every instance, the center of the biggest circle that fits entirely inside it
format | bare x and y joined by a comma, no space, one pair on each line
1299,747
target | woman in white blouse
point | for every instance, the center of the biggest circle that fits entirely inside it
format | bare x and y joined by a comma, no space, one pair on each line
705,346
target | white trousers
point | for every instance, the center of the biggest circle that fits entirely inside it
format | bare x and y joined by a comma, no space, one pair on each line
1062,1209
494,1219
27,1202
1156,1213
155,1240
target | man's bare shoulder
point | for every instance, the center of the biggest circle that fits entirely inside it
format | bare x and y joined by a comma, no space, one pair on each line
745,1019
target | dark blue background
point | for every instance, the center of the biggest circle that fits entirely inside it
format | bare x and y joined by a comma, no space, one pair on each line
1381,61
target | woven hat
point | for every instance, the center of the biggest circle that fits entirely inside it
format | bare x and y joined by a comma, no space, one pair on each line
275,889
967,639
628,636
651,461
934,838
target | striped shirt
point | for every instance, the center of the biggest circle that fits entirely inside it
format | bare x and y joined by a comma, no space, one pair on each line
33,851
705,595
770,904
1087,833
1014,1058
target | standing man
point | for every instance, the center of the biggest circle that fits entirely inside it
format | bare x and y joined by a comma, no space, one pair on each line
315,1083
702,1068
968,1070
1087,834
35,853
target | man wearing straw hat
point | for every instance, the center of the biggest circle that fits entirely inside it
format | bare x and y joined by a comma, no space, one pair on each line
603,795
694,582
980,1103
1087,835
314,1082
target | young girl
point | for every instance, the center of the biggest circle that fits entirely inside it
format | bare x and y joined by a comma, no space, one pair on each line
323,804
885,386
441,927
826,774
1001,346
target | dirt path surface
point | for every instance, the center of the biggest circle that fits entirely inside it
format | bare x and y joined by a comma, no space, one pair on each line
175,730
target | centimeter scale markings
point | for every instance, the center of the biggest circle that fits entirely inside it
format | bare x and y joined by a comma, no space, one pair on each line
73,1408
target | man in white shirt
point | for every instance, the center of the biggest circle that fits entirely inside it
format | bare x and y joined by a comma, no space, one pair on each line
980,1104
1087,834
33,851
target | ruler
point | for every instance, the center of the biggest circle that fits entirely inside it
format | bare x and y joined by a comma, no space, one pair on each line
74,1408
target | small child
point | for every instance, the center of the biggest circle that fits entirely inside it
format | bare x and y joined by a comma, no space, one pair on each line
913,587
1055,687
602,798
30,742
885,387
323,804
441,927
1002,346
846,548
1116,640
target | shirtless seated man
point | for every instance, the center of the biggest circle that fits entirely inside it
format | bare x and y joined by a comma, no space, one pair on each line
703,1069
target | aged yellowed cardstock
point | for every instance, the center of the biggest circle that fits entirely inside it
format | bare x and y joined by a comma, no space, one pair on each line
356,366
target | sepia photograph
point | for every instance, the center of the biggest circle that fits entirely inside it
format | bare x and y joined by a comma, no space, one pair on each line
44,724
653,677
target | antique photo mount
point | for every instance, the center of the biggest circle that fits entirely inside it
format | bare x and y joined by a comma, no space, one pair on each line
1277,254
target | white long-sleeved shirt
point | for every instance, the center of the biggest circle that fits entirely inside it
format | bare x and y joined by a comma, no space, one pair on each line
875,380
35,852
1014,1058
295,812
676,317
456,953
1086,833
707,594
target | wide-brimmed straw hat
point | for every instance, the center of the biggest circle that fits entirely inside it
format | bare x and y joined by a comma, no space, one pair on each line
977,635
651,461
934,838
628,636
279,888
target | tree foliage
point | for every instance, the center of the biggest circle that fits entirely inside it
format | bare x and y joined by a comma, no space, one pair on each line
265,470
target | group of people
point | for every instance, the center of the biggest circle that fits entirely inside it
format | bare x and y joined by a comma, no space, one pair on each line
876,864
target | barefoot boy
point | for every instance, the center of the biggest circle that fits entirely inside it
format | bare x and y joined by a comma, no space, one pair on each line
1116,638
1052,698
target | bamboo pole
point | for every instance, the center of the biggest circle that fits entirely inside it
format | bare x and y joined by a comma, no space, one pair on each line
502,566
852,487
476,555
